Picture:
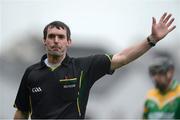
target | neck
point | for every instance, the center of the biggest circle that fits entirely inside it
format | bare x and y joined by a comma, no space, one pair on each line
168,86
52,59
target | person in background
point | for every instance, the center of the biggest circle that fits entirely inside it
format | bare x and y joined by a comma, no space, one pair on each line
163,101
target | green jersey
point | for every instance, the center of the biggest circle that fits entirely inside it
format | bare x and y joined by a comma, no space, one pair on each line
163,105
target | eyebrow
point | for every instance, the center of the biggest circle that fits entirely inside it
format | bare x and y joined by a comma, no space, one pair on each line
53,35
56,34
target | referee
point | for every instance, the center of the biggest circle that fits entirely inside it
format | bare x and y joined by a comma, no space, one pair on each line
58,86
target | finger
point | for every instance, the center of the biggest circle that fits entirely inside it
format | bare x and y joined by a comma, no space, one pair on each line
162,18
172,28
170,22
153,20
167,18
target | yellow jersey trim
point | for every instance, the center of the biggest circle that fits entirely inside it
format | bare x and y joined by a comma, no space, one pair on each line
162,100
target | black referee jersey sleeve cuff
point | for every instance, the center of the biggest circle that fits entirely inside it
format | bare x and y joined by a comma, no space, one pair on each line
110,72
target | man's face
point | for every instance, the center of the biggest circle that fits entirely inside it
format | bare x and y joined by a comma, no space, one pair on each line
56,41
162,80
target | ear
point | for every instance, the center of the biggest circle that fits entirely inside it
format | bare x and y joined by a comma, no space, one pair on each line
69,43
170,73
44,42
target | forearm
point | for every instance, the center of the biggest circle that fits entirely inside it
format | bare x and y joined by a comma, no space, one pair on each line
129,54
159,31
21,115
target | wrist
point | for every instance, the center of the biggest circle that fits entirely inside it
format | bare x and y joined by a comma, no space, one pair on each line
151,41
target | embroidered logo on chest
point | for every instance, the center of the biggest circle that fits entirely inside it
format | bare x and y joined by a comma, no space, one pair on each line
36,89
69,86
68,83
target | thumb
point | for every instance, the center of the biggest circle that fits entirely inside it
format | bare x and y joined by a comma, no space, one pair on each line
153,21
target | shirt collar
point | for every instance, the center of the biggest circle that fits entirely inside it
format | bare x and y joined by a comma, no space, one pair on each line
173,85
64,62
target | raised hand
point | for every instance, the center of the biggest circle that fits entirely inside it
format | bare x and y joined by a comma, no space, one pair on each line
163,27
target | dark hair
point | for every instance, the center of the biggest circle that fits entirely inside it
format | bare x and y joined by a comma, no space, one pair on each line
161,67
58,25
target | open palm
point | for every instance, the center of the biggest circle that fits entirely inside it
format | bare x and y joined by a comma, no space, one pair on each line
163,27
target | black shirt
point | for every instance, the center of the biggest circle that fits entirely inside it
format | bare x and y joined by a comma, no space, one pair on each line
63,92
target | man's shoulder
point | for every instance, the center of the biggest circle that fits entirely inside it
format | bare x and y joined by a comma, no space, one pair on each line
82,59
91,57
152,92
178,88
34,66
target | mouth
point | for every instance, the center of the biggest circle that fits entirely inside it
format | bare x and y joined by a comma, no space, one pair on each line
55,48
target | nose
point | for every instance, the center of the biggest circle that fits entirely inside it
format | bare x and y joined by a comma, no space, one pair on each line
56,39
157,77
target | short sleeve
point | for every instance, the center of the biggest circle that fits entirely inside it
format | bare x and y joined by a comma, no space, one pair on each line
22,101
100,66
